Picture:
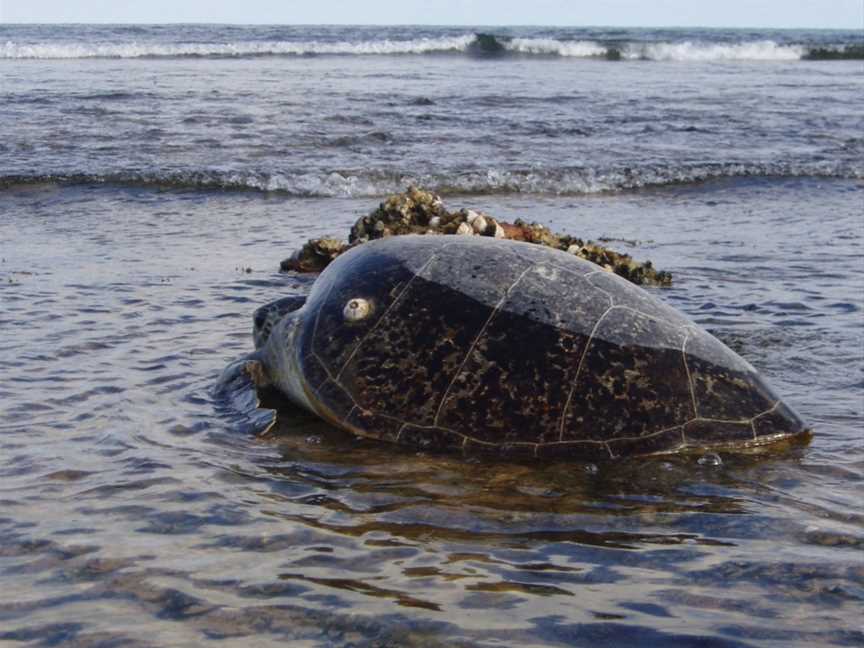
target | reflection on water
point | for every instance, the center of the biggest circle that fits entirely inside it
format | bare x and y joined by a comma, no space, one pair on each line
133,507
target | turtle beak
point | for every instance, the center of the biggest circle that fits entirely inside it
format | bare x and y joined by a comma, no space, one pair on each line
280,356
269,315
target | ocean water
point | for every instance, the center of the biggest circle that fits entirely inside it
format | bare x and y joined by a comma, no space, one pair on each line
152,178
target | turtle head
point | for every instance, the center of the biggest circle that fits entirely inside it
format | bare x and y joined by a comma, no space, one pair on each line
341,308
311,353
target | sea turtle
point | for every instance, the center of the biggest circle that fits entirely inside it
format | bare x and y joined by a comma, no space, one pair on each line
490,345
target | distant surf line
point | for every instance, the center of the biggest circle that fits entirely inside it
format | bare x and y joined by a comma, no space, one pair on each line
351,184
480,45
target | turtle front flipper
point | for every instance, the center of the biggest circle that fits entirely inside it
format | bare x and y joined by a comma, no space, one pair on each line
238,389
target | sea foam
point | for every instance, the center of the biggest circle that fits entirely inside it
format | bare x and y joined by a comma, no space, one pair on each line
766,50
12,50
552,47
368,183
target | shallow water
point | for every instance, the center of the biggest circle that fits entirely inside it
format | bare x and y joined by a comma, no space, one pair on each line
136,510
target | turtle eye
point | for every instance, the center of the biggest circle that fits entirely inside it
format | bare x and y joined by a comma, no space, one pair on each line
356,309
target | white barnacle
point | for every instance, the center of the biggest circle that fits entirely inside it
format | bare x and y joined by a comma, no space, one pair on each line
465,229
479,224
547,272
356,309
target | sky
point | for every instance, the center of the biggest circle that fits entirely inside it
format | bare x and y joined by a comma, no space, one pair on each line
845,14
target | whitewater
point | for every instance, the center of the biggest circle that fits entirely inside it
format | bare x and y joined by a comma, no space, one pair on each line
675,45
684,51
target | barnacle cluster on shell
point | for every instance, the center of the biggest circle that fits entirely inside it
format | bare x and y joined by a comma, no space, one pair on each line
641,273
420,212
416,211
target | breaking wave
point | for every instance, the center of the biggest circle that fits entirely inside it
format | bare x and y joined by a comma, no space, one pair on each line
689,51
553,47
239,49
762,50
575,181
484,45
684,51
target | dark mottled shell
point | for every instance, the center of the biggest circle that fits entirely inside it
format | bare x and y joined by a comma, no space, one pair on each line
495,345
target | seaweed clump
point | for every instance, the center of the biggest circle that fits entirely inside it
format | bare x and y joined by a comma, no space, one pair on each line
314,256
417,211
640,273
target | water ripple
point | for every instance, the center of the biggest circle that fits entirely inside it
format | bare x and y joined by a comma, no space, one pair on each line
131,486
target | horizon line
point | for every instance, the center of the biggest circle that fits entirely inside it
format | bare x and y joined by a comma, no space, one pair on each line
466,25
